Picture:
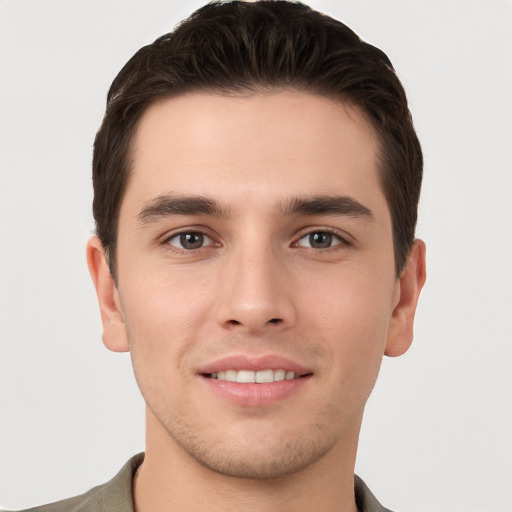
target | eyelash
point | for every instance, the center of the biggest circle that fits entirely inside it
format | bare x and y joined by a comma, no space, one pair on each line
190,232
342,241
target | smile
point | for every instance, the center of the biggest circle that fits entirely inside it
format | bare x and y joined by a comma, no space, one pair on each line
252,377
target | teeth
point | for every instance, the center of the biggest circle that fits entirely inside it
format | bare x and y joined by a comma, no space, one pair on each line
265,376
231,375
245,376
279,374
249,376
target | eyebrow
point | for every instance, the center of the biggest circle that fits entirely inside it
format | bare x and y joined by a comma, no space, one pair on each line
327,205
172,204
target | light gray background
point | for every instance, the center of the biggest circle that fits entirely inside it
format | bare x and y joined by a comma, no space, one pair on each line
438,430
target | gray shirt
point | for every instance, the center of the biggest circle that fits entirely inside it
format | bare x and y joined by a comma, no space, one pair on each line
116,495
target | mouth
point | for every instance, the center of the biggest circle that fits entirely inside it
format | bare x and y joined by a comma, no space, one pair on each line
254,381
255,377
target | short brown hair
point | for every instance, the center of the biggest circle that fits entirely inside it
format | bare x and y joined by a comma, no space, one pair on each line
229,47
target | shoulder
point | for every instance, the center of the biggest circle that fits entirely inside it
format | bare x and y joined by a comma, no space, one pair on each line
365,500
114,496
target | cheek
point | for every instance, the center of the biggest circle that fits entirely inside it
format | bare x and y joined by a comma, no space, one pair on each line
162,322
171,298
352,316
163,316
353,297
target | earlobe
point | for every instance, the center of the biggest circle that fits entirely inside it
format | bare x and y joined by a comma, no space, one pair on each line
401,327
114,329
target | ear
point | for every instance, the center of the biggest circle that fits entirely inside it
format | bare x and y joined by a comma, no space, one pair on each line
400,332
112,318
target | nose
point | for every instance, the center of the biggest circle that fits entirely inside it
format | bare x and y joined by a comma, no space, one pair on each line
256,295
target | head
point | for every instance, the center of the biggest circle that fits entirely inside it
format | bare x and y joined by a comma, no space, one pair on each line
256,182
239,48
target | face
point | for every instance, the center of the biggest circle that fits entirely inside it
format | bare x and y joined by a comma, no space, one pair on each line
256,287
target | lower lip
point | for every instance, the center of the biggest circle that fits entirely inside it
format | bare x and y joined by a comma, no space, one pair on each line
254,395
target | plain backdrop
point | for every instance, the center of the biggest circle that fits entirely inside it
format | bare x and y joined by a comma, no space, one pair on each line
438,429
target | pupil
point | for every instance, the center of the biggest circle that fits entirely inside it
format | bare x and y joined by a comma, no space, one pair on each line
320,240
191,240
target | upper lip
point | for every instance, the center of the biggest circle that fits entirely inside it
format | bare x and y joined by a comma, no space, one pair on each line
254,363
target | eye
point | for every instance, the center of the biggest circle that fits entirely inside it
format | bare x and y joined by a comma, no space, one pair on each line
320,240
190,240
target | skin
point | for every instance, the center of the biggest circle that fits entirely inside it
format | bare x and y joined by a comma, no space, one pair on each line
257,284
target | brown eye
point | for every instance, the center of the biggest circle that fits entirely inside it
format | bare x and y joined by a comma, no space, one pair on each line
190,240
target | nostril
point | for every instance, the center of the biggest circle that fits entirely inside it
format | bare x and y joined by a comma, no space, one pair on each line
249,324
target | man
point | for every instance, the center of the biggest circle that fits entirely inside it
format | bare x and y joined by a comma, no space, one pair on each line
256,181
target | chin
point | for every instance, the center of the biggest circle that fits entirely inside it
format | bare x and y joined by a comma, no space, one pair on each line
272,463
257,453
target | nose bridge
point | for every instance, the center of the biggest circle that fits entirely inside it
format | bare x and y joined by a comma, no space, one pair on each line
255,296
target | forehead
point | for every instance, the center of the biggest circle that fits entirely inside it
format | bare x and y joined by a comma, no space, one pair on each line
257,148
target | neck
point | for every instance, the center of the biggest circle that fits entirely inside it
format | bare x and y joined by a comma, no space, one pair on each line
170,479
